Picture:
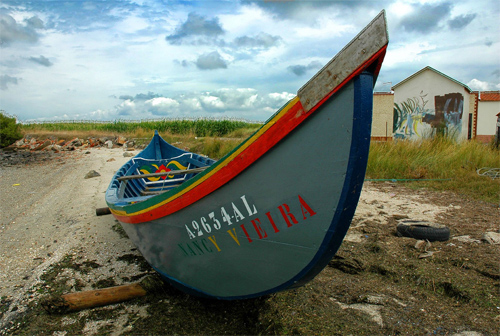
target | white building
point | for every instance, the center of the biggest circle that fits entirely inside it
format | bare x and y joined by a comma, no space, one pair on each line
488,107
429,102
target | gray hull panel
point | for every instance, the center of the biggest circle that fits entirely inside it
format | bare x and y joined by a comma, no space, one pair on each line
264,227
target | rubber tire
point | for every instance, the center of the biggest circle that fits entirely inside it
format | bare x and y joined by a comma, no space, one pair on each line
423,230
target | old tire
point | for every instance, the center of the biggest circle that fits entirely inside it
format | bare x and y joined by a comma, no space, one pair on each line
423,230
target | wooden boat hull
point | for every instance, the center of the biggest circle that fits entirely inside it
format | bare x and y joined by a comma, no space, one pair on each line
271,214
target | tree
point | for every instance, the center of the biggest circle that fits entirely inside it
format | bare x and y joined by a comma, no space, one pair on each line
9,130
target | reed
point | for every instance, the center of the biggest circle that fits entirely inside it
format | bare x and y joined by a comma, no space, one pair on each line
199,127
439,163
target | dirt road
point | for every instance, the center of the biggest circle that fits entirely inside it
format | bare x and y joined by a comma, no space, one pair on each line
52,242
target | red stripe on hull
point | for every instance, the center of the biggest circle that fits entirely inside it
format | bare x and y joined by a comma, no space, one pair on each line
294,117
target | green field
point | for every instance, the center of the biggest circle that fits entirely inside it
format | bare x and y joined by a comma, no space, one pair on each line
198,127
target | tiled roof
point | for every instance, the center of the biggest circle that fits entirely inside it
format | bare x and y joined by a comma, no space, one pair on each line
489,95
432,69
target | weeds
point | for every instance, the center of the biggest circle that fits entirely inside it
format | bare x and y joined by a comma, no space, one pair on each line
447,164
9,130
199,127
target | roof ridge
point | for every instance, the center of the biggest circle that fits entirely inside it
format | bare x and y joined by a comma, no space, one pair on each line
436,71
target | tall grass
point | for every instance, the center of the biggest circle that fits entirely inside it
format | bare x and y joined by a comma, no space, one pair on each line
448,164
199,127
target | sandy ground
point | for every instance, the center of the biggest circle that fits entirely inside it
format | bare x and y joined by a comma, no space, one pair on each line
48,214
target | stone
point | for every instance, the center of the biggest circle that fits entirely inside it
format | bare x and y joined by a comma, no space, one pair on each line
45,144
128,154
121,140
75,142
109,143
91,174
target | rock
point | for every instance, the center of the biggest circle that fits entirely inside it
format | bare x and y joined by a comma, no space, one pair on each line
491,238
121,140
109,143
75,142
91,174
45,144
128,154
92,142
19,143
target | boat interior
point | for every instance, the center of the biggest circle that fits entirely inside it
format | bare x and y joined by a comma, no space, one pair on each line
134,183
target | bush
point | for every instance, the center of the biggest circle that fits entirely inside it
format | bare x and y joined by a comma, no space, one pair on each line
9,130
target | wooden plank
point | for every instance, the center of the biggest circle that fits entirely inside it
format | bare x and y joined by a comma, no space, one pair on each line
170,173
157,192
357,52
101,297
162,187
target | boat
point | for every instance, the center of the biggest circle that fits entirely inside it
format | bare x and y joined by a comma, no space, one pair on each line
272,213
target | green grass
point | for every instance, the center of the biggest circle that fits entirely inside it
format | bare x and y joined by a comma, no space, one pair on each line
198,127
448,164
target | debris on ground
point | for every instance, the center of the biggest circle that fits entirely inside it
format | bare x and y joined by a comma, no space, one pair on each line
56,145
32,150
491,238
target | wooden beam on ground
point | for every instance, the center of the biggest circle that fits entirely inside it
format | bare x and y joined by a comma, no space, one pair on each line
102,211
101,297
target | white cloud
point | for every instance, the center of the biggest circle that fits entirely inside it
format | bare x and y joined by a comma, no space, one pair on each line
161,106
211,103
96,50
406,53
476,84
325,28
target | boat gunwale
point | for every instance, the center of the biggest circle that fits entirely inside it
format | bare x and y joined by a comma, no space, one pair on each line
138,212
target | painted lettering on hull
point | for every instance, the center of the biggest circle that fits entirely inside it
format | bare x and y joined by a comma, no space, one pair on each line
253,229
213,224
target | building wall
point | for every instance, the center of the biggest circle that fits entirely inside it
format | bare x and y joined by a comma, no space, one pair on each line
383,105
428,102
486,121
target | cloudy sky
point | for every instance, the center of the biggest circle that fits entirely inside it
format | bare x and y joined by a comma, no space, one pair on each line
108,60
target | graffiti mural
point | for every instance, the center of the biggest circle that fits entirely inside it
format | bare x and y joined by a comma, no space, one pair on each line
415,118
